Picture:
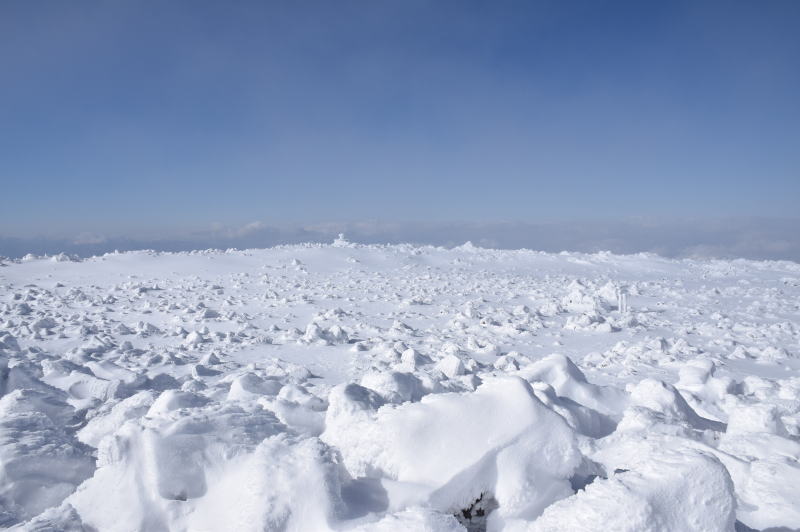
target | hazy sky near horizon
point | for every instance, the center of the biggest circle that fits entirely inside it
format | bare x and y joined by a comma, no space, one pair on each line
125,116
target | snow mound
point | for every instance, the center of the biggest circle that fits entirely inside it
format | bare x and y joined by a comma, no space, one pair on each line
449,449
191,465
669,491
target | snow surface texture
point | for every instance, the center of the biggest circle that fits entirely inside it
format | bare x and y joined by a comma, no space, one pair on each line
383,388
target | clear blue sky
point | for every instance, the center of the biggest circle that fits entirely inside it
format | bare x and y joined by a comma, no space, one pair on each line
124,116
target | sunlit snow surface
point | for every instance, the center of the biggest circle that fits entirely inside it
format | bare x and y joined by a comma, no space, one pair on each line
343,387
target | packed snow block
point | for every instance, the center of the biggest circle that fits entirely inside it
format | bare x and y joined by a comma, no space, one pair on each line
768,494
62,518
449,449
40,464
282,485
569,381
8,343
670,491
110,371
767,487
190,465
85,390
25,376
108,420
45,400
756,418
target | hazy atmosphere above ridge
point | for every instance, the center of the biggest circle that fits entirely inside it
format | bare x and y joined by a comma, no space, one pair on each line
628,126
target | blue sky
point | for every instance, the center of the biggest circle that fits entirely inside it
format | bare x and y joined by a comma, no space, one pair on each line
134,118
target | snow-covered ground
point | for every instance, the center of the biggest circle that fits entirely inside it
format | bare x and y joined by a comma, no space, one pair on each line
383,388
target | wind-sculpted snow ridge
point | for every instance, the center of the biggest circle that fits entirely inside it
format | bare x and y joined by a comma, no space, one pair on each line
391,388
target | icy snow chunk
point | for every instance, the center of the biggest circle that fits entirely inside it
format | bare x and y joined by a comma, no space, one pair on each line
451,365
95,346
22,309
199,370
315,334
209,359
506,363
146,329
209,314
122,329
410,359
44,323
194,339
337,335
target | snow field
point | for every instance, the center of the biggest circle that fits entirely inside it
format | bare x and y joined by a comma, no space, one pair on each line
378,388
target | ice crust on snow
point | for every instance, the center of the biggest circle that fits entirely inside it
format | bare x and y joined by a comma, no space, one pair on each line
378,388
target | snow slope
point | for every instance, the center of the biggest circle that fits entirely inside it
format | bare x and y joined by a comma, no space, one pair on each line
381,388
